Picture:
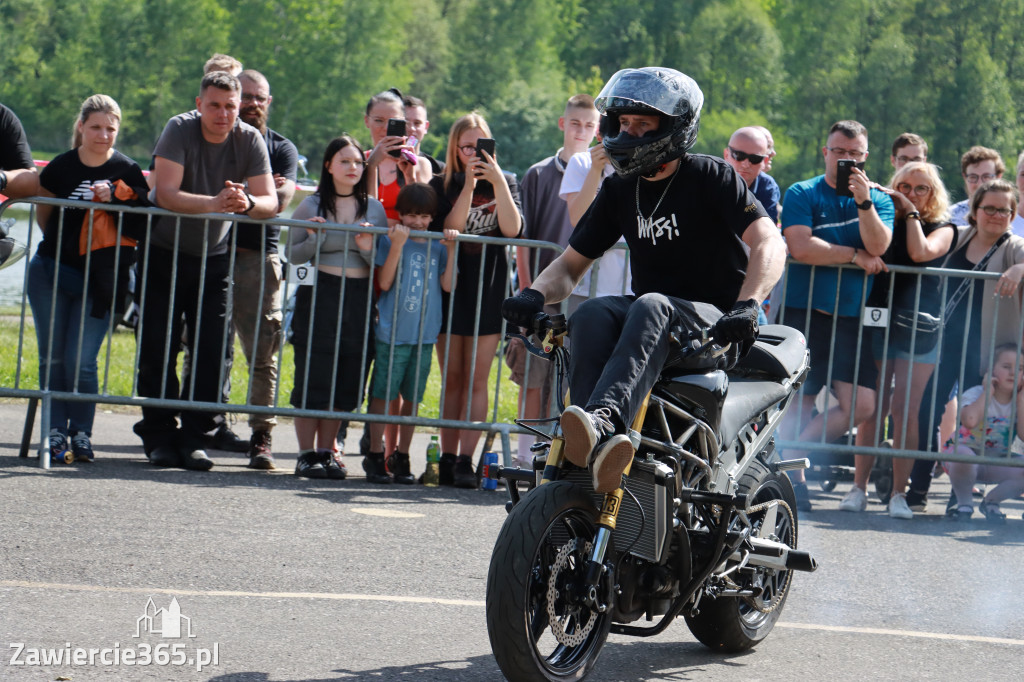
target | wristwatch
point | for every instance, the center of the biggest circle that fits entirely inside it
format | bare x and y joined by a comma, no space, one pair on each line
865,205
252,203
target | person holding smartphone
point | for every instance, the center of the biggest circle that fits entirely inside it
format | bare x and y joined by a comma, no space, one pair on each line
476,197
387,170
837,218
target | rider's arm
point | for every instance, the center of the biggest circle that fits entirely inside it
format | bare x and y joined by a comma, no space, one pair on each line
561,277
766,262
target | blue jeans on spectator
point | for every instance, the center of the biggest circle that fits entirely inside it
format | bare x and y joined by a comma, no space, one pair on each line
67,305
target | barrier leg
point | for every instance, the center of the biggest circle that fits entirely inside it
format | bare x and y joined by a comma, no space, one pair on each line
44,440
506,447
30,420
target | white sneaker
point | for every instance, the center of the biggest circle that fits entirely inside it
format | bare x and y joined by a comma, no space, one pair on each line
855,501
610,461
898,508
582,431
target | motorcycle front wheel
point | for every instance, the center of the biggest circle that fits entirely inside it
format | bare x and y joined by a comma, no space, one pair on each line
538,626
733,624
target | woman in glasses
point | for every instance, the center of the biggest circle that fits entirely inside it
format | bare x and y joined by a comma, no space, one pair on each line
980,315
476,197
921,236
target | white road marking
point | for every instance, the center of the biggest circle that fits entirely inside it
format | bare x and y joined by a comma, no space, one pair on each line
467,602
389,513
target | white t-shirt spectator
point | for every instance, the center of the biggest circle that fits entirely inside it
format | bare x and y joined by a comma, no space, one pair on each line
613,278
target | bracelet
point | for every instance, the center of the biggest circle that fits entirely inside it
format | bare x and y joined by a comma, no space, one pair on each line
913,214
3,181
855,252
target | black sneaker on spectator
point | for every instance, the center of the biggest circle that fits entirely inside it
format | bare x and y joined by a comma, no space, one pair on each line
58,446
336,470
398,465
463,474
260,456
226,439
165,456
196,460
446,469
310,465
803,497
376,472
81,447
917,501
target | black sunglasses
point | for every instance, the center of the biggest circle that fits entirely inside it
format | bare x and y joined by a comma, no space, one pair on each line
743,156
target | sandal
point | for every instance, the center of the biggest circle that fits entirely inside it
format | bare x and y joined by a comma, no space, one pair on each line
991,512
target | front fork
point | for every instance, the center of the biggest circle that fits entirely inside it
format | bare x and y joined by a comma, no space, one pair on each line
606,522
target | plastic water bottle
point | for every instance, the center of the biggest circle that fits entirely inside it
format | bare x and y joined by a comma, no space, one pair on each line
432,476
491,460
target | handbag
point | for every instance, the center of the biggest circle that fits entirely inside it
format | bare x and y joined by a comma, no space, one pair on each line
923,328
905,322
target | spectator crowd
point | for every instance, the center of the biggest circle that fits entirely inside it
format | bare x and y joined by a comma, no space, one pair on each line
920,361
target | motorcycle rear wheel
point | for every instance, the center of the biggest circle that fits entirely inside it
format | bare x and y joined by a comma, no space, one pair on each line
733,624
548,532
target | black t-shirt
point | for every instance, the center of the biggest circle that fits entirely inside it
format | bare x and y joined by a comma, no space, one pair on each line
483,214
690,245
959,331
284,160
14,151
905,284
68,178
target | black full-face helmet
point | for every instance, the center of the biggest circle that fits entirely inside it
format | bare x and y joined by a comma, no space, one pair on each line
651,91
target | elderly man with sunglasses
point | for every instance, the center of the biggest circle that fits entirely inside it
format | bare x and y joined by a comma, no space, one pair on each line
830,221
748,152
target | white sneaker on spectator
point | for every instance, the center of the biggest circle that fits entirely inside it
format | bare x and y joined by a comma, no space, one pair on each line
898,508
855,501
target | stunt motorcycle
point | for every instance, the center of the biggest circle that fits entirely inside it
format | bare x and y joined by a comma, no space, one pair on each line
704,524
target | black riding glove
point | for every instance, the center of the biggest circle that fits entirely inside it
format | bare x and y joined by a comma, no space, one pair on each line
739,325
523,307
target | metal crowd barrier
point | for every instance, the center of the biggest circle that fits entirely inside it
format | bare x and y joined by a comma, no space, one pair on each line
948,339
44,394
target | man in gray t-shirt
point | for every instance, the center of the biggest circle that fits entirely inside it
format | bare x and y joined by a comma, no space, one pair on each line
206,161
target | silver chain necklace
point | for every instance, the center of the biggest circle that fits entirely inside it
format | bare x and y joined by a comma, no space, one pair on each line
662,198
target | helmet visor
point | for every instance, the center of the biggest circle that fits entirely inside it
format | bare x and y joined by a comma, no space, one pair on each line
666,91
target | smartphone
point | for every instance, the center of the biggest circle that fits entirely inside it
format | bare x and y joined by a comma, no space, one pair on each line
843,176
485,144
396,128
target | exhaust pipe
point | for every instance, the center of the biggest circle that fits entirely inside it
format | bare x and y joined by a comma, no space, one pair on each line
776,555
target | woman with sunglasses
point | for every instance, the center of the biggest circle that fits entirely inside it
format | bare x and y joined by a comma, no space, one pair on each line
987,314
921,236
476,197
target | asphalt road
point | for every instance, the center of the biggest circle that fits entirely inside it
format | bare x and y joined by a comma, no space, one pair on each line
288,579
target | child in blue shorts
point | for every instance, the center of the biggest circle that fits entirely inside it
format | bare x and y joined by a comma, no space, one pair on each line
411,272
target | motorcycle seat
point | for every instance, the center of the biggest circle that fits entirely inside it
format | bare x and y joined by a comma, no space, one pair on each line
745,401
780,352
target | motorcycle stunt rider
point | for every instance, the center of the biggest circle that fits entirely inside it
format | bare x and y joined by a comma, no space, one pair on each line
686,219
